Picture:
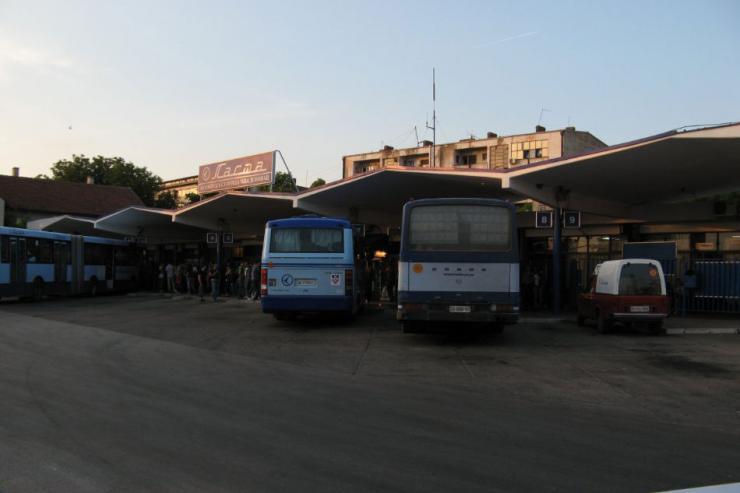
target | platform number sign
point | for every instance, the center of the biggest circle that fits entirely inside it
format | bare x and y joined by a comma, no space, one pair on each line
543,219
228,238
572,219
211,238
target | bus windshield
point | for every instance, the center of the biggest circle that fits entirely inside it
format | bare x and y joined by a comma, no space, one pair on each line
307,240
460,228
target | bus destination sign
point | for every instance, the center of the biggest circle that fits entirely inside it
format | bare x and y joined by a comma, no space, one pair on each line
242,172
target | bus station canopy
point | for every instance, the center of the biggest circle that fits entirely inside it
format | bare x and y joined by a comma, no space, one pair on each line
656,179
652,179
147,222
236,211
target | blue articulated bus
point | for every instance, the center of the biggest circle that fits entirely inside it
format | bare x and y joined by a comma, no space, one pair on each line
459,261
37,263
310,264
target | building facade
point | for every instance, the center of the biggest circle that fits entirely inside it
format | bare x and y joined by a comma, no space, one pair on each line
491,153
23,200
180,188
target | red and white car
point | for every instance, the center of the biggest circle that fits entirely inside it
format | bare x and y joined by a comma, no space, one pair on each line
627,291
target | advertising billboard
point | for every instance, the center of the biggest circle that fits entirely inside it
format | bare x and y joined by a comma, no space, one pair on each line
241,172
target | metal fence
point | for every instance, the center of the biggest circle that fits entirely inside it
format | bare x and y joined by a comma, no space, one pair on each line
695,285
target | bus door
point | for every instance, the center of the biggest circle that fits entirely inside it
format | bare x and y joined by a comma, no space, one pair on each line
78,264
17,247
61,259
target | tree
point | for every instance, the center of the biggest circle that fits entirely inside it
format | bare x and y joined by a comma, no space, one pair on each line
165,200
109,171
318,182
192,197
283,183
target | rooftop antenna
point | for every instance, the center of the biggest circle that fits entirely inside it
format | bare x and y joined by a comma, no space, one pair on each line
433,128
416,132
539,122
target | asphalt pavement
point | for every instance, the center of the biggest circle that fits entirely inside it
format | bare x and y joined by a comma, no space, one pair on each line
148,393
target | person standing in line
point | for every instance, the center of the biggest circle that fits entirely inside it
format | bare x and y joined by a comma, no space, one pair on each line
169,271
202,274
242,286
255,276
537,286
215,279
190,275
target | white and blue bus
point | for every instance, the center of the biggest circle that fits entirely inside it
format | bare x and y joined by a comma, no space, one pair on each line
459,261
37,263
311,264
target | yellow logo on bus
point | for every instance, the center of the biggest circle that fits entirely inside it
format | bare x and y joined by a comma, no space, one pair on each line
417,268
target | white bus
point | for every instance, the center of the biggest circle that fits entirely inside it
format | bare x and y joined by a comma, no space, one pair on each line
459,261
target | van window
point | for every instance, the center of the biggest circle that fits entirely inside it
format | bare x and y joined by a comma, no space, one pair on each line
639,280
307,240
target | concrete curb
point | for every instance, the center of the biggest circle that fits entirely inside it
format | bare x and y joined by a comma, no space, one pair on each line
703,331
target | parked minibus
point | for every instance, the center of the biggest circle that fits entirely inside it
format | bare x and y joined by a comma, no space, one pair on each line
459,262
311,264
37,263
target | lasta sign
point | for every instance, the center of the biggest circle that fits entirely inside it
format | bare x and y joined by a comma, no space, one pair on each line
242,172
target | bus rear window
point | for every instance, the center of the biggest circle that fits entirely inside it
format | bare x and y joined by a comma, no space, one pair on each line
640,280
307,240
460,228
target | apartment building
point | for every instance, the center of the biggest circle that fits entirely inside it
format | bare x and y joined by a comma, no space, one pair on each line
492,152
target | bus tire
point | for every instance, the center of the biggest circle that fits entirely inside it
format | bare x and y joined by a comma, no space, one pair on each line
410,327
656,327
93,286
38,289
581,320
496,328
603,324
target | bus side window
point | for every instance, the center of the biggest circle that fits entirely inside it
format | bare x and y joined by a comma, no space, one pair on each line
38,251
4,250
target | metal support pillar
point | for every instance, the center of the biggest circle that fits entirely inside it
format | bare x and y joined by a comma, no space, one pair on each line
556,226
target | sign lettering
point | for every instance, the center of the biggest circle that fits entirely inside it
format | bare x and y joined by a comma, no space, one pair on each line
243,172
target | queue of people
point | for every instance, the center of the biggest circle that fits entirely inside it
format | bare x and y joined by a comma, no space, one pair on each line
235,279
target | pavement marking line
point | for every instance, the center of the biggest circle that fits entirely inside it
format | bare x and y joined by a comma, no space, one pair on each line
464,363
364,351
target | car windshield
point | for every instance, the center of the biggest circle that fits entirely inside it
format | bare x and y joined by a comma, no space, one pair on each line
640,279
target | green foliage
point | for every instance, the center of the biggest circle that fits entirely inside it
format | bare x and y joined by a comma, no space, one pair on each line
283,183
165,200
192,197
109,171
318,182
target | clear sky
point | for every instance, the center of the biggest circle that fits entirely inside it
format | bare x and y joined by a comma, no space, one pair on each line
171,85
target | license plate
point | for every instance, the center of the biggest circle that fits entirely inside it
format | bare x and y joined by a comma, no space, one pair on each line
305,282
639,309
459,309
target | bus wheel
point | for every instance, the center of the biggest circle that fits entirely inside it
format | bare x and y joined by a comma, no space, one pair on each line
93,286
410,327
496,328
581,321
38,289
656,327
603,324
